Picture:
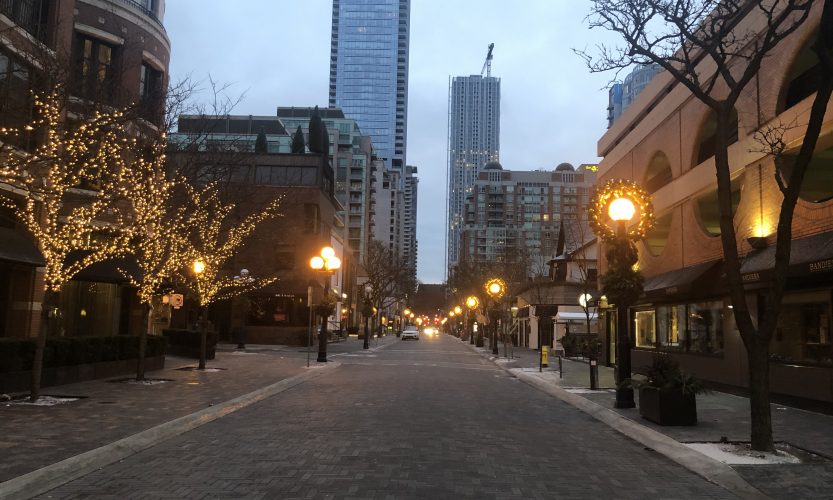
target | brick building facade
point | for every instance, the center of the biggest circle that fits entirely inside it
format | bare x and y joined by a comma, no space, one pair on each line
665,142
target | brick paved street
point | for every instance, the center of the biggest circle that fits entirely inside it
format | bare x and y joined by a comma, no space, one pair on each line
427,419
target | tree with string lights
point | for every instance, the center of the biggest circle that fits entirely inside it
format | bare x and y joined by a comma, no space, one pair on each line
156,230
213,241
65,202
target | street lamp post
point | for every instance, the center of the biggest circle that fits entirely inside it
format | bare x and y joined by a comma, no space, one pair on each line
584,300
495,288
327,263
619,201
199,267
367,312
471,304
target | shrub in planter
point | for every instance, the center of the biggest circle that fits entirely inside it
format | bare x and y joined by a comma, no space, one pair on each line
16,354
667,395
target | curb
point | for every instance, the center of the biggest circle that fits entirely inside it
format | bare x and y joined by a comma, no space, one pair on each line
52,476
713,471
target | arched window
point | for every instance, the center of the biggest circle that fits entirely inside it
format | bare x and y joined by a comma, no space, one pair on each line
708,135
657,237
658,173
709,210
804,76
818,180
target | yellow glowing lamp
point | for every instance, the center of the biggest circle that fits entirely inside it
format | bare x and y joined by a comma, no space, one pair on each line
333,263
316,263
495,287
621,209
198,266
407,312
328,252
412,315
458,310
472,302
451,314
584,299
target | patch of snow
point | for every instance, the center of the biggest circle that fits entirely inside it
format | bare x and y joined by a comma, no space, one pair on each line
42,401
582,390
244,352
147,381
742,454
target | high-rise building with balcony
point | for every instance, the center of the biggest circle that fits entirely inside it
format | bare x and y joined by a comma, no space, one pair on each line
369,71
473,141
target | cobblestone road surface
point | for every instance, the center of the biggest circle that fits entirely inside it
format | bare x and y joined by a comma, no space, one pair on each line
427,419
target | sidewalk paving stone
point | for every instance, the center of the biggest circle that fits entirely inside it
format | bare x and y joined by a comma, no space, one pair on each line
719,415
32,437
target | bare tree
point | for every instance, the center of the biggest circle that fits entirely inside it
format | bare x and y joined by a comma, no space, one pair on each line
389,277
706,46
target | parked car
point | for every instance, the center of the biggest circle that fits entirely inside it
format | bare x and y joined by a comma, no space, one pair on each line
410,332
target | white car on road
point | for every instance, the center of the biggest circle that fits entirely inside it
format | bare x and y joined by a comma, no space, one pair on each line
410,332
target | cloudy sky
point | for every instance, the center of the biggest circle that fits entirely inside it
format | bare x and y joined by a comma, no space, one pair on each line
277,53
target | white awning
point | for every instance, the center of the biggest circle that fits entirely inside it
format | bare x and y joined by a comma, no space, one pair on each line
574,316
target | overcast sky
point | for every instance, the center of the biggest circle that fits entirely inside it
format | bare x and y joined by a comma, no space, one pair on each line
277,52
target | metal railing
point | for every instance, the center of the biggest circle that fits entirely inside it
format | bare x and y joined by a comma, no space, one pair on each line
141,6
26,14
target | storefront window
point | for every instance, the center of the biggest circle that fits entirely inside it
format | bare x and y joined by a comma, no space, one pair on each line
705,328
278,311
803,333
645,328
89,308
671,325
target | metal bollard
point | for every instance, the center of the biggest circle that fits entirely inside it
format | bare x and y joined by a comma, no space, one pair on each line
560,368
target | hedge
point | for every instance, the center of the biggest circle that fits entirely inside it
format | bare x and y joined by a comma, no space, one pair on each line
16,354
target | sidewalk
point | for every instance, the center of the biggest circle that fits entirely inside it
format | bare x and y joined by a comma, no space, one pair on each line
719,415
33,437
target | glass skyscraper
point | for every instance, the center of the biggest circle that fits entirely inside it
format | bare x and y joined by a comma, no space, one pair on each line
369,71
473,141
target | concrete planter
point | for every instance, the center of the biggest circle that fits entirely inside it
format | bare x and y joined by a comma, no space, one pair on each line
62,375
667,407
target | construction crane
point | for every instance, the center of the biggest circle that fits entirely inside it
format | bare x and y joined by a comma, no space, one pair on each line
487,65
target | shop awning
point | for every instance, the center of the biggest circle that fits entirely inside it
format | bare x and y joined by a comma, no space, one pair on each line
574,316
681,281
108,271
809,256
16,246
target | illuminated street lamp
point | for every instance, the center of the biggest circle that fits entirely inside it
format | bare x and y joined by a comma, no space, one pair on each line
328,264
620,202
495,288
471,304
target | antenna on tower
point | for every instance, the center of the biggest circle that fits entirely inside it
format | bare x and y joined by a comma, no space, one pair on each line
487,65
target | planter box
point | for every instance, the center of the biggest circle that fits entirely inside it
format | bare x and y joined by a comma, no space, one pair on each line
61,375
667,408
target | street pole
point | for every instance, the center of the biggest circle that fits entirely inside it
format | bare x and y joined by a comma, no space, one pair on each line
322,336
495,350
624,395
203,340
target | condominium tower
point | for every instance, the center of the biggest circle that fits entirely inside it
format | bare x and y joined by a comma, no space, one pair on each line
473,141
369,71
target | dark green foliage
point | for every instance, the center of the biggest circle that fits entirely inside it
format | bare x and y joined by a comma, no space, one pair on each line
325,139
581,345
298,144
621,283
664,373
316,131
260,143
16,354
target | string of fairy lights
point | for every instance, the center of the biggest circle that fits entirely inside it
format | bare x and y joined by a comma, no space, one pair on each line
214,243
94,190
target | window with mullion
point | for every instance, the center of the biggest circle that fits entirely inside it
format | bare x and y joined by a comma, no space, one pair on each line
95,71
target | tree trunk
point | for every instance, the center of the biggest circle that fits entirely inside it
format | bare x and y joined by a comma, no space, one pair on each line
203,341
758,354
50,300
143,342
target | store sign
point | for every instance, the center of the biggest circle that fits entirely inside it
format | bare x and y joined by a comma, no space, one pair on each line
821,266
